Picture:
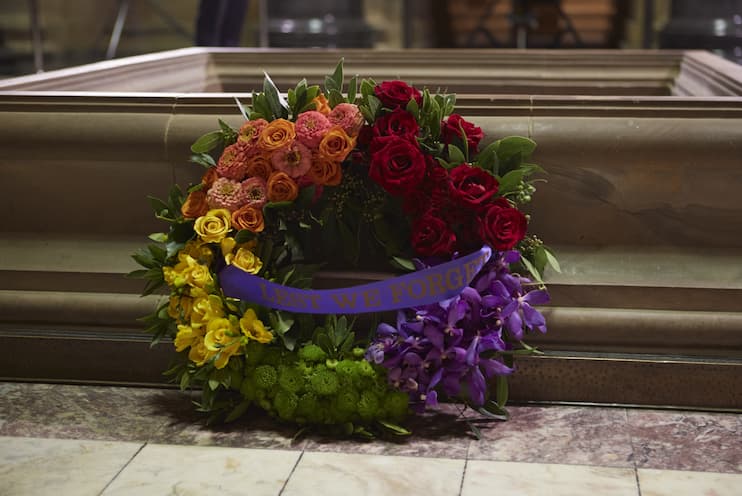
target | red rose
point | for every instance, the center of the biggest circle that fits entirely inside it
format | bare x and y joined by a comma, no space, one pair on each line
502,226
397,164
451,130
431,236
396,94
472,186
398,123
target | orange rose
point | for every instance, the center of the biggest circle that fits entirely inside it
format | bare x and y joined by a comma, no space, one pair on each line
321,104
282,188
277,134
209,177
325,172
259,166
336,145
249,218
195,205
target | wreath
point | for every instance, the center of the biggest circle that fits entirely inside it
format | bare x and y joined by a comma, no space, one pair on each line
362,176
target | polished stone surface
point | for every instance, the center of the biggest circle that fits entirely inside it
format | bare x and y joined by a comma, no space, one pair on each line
341,474
680,483
196,470
484,478
686,440
595,436
54,467
558,434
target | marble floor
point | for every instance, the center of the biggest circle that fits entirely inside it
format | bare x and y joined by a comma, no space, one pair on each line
80,440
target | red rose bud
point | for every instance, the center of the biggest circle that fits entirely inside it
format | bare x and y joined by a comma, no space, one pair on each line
451,130
396,94
431,236
397,164
502,226
472,186
399,123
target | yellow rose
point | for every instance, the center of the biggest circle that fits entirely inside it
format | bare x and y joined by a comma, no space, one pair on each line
179,308
254,328
206,309
222,337
213,226
199,251
199,354
187,336
199,276
246,260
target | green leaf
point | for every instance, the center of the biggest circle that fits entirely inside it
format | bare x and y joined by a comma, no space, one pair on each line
336,98
502,391
413,108
207,142
374,104
509,182
532,270
403,263
242,109
277,103
278,205
394,428
455,155
238,411
281,321
244,235
136,274
158,237
203,159
494,411
367,88
487,158
158,205
512,150
553,262
213,384
352,89
337,75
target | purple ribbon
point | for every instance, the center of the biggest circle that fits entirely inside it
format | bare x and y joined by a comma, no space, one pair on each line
423,287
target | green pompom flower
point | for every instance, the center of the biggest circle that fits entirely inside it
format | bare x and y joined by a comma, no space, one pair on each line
285,403
291,378
323,382
396,405
312,353
368,405
266,376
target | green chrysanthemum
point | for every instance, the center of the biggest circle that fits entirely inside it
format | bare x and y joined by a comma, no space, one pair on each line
291,378
312,353
368,405
323,382
396,405
285,403
266,376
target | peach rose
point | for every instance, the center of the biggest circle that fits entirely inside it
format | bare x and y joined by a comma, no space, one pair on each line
282,188
209,177
277,134
249,218
321,104
325,172
195,205
336,145
259,166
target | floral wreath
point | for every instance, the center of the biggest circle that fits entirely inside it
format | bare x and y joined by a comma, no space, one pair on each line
363,174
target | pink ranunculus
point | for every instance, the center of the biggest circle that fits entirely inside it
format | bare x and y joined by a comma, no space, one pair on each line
225,193
311,127
256,190
294,159
347,116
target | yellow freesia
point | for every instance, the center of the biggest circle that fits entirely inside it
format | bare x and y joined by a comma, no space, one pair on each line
253,328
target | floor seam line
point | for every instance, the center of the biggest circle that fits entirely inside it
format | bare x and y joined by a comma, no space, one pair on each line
293,469
463,475
123,468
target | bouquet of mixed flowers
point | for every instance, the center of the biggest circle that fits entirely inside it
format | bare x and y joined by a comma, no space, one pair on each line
334,178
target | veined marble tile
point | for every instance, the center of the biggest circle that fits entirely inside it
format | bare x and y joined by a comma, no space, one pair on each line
679,483
60,467
485,478
196,470
558,434
85,412
671,440
341,474
436,434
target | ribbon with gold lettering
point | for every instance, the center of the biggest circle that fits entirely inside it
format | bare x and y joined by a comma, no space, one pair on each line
423,287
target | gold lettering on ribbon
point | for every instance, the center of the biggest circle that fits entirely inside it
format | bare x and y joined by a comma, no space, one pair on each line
345,301
372,298
451,282
435,282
